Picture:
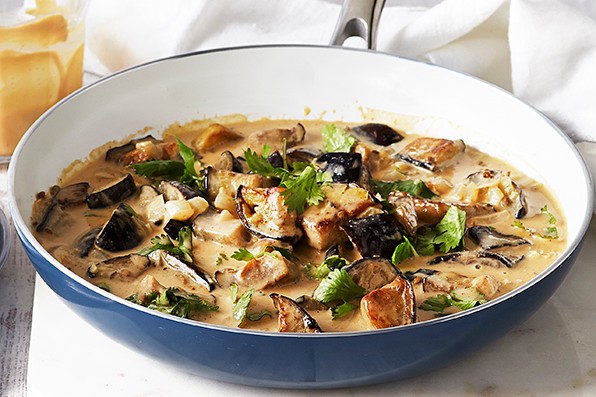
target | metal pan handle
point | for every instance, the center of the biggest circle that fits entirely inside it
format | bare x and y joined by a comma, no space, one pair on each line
358,18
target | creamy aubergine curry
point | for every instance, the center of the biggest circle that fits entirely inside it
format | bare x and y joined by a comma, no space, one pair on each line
300,226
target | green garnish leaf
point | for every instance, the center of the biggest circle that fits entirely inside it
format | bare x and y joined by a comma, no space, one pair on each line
335,139
188,157
243,254
445,236
435,304
163,242
463,299
258,315
338,285
413,187
304,189
330,263
551,231
234,292
173,301
221,258
259,164
241,306
341,310
403,251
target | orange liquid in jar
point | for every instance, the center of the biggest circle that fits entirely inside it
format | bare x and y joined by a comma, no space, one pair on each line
41,61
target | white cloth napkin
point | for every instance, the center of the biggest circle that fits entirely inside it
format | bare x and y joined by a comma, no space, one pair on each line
543,51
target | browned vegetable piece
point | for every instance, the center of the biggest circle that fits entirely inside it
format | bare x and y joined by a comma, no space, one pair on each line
499,190
343,167
49,208
190,270
121,232
266,271
112,194
431,153
293,318
478,259
389,306
264,214
489,238
173,190
372,273
229,182
437,281
228,162
274,137
375,235
380,134
127,267
214,136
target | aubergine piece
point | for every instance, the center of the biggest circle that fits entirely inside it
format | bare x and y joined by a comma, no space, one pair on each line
489,238
126,268
274,137
112,194
419,275
263,213
230,181
121,232
172,228
292,317
228,162
392,305
115,154
276,159
59,199
192,271
380,134
173,190
477,258
343,167
372,273
431,153
302,155
375,235
494,179
86,242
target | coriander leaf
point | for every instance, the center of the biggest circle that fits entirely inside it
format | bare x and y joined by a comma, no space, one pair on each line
175,302
436,303
551,231
188,157
286,253
424,243
466,298
243,254
241,306
413,187
259,164
234,292
450,230
183,250
302,190
259,315
341,310
338,286
335,139
330,263
167,169
220,258
403,251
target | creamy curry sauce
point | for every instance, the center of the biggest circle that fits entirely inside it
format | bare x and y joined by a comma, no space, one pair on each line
384,164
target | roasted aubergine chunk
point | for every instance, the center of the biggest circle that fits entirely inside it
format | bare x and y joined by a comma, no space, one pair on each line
380,134
113,194
431,153
122,231
389,306
292,317
375,235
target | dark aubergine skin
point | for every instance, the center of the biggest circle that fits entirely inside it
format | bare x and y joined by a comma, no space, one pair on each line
496,257
375,235
174,190
112,194
114,154
488,238
67,196
227,161
121,231
380,134
344,167
172,228
85,243
192,271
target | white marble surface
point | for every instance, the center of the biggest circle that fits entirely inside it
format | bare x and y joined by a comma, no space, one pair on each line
552,354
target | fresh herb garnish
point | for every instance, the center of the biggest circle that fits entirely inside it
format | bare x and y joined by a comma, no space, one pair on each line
413,187
183,250
551,231
183,171
335,139
445,236
240,309
338,285
330,263
341,310
403,251
242,254
304,189
259,164
221,258
173,301
463,299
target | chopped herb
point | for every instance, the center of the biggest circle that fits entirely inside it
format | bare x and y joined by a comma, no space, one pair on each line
175,302
220,258
242,254
240,309
259,164
330,263
304,189
551,231
234,292
415,188
463,299
103,285
259,315
183,250
91,215
341,310
403,251
445,236
188,157
335,139
338,286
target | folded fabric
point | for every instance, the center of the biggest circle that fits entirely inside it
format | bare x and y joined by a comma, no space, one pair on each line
544,52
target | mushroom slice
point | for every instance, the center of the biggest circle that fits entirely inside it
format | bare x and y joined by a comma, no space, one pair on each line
266,271
389,306
112,194
375,235
214,136
380,134
264,214
293,318
343,167
121,232
193,272
274,137
126,268
495,188
85,242
229,182
431,153
489,238
478,258
173,190
372,273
